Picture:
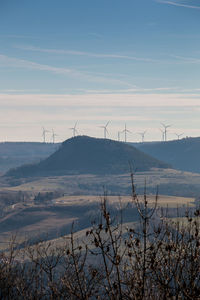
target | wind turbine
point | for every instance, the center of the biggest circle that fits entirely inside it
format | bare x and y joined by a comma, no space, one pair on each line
74,129
178,135
163,134
165,130
53,136
44,131
125,133
105,129
119,135
142,135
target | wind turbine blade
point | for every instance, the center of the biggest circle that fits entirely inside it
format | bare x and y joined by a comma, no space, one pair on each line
107,123
163,124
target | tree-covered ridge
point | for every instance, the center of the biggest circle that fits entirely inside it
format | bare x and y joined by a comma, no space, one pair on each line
181,154
85,154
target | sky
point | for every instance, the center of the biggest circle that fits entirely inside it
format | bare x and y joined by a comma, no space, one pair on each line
123,61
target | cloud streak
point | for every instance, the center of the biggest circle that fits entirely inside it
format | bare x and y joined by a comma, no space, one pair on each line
178,4
132,90
88,54
88,76
187,59
15,36
21,63
102,100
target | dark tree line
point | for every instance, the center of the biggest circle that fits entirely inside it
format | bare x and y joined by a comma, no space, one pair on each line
45,197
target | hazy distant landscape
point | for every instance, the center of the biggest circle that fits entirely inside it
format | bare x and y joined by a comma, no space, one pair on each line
15,154
99,150
182,154
84,165
47,200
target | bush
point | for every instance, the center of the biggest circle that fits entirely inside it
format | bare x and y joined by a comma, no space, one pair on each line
157,259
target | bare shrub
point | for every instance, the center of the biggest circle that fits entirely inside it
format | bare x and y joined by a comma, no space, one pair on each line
155,258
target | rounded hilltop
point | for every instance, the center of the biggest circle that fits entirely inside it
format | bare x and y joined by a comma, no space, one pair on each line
84,154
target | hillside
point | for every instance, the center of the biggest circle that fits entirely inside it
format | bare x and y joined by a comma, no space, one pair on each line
182,154
169,182
55,218
84,154
14,154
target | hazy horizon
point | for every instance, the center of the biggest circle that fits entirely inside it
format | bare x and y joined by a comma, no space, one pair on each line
133,62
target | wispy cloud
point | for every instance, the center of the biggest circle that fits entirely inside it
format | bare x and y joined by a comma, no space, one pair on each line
21,63
95,35
132,90
17,36
184,59
83,53
24,115
102,100
17,91
178,4
89,76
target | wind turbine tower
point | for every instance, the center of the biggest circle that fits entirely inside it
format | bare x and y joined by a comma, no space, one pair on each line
44,131
163,134
125,133
119,132
74,130
53,136
105,129
142,134
178,135
165,130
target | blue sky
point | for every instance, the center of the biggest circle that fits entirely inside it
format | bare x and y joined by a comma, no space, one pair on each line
133,61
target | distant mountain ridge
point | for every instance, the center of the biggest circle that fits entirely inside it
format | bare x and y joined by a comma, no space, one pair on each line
85,154
182,154
14,154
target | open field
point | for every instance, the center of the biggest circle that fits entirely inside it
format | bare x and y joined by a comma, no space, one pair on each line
169,182
163,201
79,200
55,219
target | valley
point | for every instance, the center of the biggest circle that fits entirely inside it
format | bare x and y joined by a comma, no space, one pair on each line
45,206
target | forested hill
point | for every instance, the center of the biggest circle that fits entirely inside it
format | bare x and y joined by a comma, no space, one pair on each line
14,154
182,154
84,154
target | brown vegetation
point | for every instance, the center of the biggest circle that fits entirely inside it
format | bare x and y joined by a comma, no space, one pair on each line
155,259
